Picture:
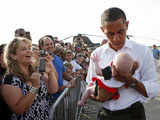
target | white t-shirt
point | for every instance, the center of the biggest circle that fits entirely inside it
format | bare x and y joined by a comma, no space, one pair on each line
75,65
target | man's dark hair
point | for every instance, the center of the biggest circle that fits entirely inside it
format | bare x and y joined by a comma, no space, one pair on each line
154,45
41,40
112,14
52,38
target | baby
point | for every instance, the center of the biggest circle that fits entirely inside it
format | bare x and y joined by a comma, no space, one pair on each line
106,87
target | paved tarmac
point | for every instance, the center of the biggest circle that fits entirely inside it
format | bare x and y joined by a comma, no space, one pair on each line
153,109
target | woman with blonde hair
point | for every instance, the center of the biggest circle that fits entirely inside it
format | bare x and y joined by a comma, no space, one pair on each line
23,88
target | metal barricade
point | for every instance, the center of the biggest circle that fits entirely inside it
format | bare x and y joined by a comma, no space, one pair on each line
65,107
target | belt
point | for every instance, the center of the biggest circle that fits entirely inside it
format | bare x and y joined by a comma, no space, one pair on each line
132,108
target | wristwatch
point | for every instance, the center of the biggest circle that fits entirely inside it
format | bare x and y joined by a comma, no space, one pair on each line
33,90
134,84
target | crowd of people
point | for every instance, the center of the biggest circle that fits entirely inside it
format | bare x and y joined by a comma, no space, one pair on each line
32,76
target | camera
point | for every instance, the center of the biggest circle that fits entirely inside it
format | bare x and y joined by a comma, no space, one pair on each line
42,65
42,61
43,53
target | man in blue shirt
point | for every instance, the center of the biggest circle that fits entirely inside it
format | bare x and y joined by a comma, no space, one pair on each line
47,44
156,55
156,52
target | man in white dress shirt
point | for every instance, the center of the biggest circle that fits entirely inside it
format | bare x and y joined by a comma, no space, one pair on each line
142,85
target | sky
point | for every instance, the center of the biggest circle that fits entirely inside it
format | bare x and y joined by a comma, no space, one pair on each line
64,18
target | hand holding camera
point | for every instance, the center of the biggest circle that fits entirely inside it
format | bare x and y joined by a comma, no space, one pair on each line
35,79
42,61
49,64
45,62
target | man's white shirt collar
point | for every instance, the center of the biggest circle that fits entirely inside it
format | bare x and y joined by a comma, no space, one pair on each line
126,45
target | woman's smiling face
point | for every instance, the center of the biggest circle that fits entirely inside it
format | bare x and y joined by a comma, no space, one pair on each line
23,53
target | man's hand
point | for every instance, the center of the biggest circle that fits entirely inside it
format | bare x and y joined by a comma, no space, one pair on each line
35,79
135,67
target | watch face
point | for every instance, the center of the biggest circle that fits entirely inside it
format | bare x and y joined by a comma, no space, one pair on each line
33,90
134,84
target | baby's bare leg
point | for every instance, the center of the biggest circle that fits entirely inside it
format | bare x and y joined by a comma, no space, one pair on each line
89,91
103,94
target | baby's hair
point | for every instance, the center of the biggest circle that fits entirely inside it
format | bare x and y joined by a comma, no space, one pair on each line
124,62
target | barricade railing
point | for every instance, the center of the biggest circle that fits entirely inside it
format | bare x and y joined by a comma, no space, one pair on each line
65,107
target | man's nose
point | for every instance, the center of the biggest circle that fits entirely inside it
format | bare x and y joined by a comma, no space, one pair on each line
116,37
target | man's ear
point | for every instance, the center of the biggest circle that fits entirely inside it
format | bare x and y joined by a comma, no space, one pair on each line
135,67
102,28
127,23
